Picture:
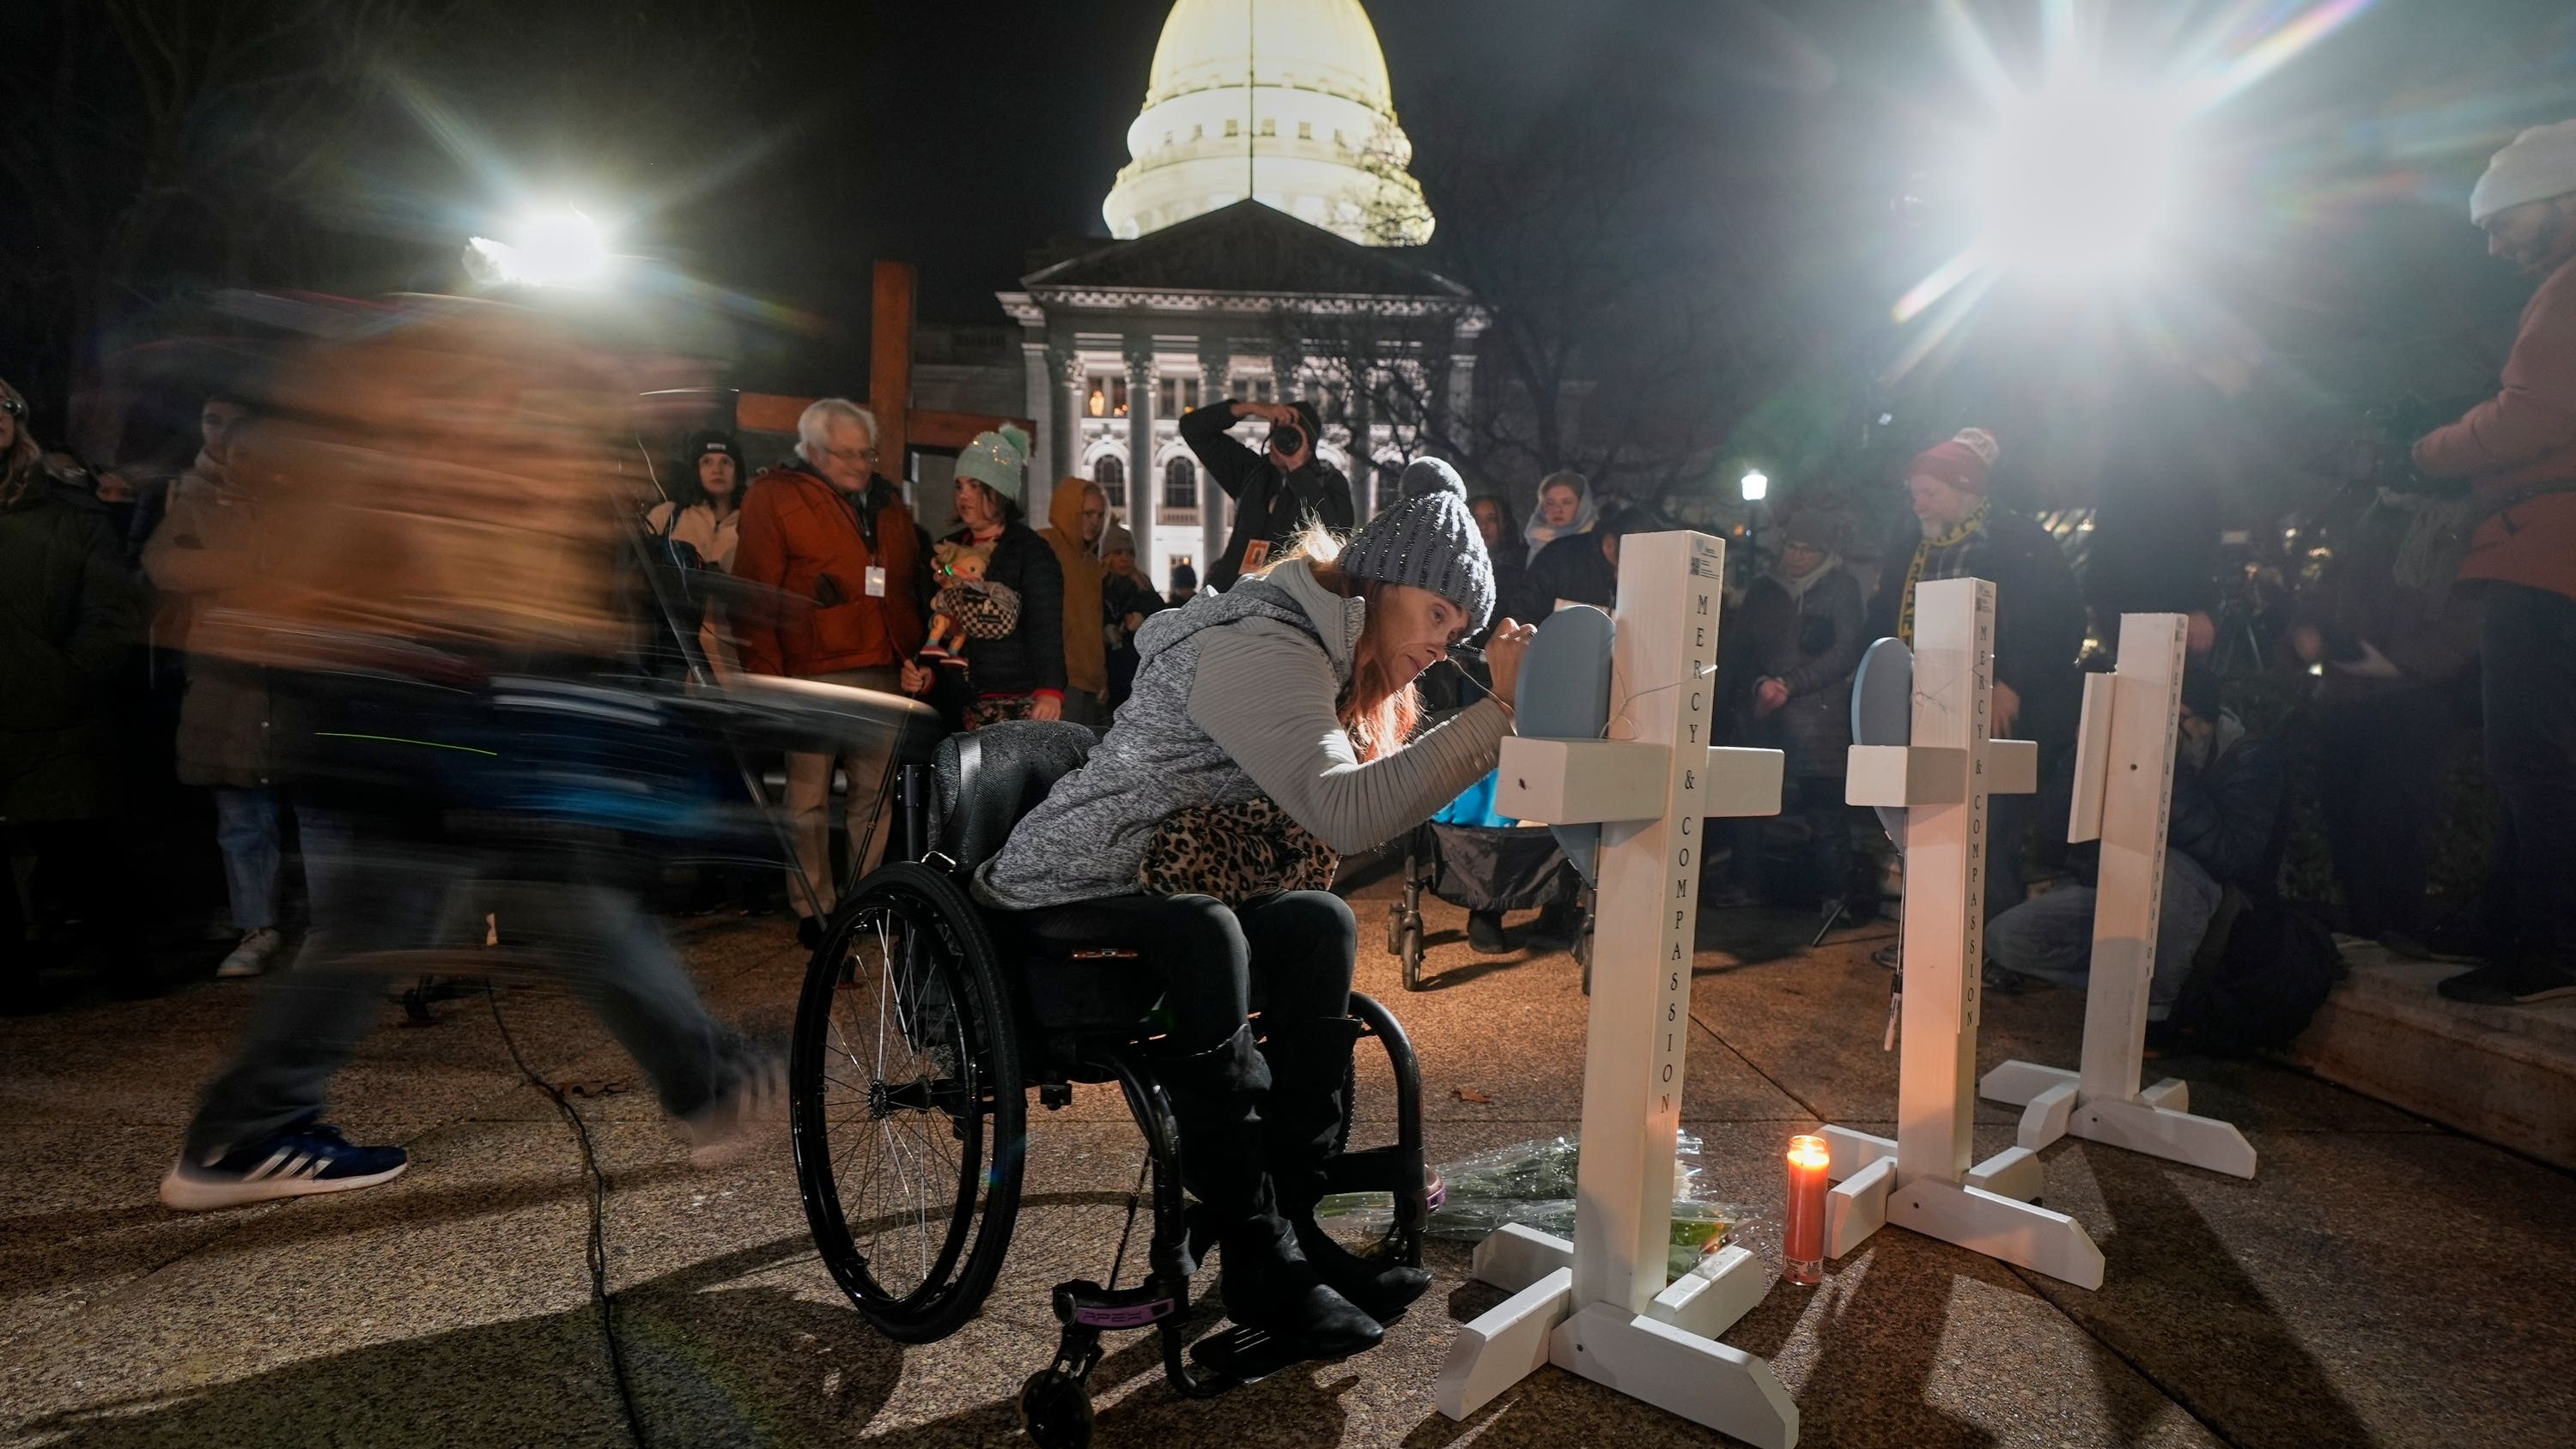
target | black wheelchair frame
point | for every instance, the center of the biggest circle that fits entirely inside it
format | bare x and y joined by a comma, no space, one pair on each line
962,1006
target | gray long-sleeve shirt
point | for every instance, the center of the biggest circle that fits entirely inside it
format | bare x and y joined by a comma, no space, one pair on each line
1235,699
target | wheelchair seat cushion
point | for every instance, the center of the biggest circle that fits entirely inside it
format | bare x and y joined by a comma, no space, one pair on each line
1080,972
989,779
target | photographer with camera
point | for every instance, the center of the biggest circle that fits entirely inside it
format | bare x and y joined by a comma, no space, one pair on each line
2517,450
1277,492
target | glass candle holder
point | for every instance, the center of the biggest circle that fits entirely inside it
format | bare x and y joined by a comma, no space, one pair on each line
1803,1234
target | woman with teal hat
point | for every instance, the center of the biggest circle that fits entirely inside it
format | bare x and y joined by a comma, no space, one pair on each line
1001,591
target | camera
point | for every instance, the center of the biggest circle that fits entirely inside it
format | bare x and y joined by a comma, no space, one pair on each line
1287,439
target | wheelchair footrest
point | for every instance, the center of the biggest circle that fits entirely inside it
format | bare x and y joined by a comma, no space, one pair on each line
1382,1169
1086,1304
1245,1355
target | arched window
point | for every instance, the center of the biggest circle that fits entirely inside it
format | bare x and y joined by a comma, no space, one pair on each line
1111,475
1181,484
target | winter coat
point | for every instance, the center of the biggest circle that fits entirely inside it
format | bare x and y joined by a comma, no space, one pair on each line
1277,650
1268,506
1030,659
68,613
2519,444
1573,568
1811,641
2039,615
1086,650
2226,814
208,546
715,539
802,538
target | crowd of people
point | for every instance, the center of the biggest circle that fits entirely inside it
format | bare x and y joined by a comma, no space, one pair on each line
1282,698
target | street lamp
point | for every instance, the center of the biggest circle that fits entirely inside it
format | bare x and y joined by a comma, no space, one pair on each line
1756,484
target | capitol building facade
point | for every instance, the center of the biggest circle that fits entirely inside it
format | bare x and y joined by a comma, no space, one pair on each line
1262,245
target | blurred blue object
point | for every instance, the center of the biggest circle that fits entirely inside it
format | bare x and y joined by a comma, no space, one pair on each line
1475,805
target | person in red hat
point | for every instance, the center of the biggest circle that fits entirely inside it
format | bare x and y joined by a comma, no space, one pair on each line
2039,618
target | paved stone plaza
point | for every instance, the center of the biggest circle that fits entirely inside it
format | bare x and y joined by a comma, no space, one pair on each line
2383,1281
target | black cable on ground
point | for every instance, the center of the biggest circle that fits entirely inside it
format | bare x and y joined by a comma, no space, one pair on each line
598,1247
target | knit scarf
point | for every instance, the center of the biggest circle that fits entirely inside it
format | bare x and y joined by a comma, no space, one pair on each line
1959,533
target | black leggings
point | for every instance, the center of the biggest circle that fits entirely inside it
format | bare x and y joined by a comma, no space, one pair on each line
1288,955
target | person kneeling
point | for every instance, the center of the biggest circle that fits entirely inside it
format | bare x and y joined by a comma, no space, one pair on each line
1267,733
2222,831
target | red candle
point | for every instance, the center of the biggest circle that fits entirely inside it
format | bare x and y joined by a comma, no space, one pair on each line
1803,1241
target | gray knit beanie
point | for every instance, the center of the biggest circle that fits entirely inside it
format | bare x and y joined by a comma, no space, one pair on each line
1428,540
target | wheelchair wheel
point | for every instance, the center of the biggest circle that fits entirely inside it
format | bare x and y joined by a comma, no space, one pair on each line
908,1110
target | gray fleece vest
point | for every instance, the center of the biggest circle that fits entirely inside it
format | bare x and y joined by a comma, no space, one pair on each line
1088,838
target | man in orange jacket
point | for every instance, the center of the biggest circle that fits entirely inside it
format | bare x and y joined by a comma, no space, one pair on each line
839,548
2518,452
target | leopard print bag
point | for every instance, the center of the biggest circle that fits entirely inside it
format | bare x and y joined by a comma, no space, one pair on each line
1236,853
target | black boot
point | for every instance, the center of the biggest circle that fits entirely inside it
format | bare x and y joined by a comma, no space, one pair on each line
1265,1280
1485,933
1310,1061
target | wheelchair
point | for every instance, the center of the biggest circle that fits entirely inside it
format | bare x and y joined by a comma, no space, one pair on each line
922,1030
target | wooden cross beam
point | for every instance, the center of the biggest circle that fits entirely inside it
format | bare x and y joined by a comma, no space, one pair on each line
2124,769
1924,1179
1599,1305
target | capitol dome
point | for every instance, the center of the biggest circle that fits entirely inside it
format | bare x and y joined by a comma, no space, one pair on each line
1285,101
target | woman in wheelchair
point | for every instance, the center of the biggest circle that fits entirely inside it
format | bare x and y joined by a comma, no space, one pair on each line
1268,732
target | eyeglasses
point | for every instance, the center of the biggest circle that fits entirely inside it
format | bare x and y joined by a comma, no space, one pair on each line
854,455
13,407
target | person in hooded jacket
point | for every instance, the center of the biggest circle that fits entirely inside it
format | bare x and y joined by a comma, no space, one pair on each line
1021,674
1566,507
1803,625
1583,568
1076,518
1277,492
1278,717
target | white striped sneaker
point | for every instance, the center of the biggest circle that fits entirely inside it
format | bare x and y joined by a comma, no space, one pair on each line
295,1163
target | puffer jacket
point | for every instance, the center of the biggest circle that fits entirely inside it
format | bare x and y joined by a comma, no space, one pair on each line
1030,659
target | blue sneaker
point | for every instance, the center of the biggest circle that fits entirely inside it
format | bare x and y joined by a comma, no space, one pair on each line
294,1163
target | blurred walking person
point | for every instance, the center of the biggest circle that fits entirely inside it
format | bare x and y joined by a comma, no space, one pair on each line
441,599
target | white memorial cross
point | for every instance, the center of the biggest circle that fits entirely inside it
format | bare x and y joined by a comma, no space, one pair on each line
2124,771
1924,1179
1599,1305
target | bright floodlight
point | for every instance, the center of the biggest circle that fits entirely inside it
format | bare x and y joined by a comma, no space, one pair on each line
1756,483
2080,178
554,248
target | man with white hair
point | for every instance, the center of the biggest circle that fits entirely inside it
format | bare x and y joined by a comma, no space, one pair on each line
2518,452
839,548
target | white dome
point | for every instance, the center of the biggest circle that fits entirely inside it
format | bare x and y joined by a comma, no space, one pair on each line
1286,101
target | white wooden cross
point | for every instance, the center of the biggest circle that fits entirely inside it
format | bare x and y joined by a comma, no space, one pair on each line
1924,1179
1599,1305
2124,770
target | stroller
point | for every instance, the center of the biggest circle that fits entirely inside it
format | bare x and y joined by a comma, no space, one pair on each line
1469,856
